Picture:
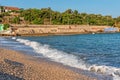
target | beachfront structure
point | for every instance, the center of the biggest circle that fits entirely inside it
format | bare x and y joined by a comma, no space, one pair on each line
1,27
111,29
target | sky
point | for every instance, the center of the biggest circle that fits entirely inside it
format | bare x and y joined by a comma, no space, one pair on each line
104,7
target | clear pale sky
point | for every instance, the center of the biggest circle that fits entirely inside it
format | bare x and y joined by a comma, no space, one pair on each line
104,7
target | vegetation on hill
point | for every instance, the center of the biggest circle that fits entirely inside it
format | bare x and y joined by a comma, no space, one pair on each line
6,26
68,17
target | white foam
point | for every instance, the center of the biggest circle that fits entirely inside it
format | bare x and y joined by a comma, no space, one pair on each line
54,54
104,69
113,71
13,37
69,59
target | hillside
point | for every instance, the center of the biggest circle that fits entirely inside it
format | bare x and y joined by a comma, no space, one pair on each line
46,16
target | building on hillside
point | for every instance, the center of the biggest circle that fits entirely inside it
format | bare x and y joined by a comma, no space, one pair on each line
8,8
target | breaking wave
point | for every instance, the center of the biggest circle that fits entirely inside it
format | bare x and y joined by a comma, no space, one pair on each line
69,59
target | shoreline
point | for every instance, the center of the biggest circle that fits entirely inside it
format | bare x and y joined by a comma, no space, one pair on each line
24,67
55,34
47,30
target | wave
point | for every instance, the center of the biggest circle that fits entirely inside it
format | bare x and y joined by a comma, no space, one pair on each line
69,59
54,54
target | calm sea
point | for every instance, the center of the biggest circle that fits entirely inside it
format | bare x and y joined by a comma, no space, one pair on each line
86,51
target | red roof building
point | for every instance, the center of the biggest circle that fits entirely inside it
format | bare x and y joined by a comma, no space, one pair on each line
7,8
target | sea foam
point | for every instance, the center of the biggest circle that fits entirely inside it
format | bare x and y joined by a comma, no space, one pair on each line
54,54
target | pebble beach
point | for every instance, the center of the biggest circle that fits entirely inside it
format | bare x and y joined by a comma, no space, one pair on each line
18,66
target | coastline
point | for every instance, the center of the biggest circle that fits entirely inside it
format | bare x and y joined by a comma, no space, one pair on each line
20,66
47,30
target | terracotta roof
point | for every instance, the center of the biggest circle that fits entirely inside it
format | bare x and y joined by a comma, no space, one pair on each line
11,8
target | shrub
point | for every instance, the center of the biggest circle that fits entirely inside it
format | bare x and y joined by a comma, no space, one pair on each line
6,26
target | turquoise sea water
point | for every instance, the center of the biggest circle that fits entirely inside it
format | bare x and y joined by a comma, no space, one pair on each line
81,51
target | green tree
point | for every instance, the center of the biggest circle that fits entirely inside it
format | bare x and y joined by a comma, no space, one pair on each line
2,9
6,26
37,21
46,15
15,20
